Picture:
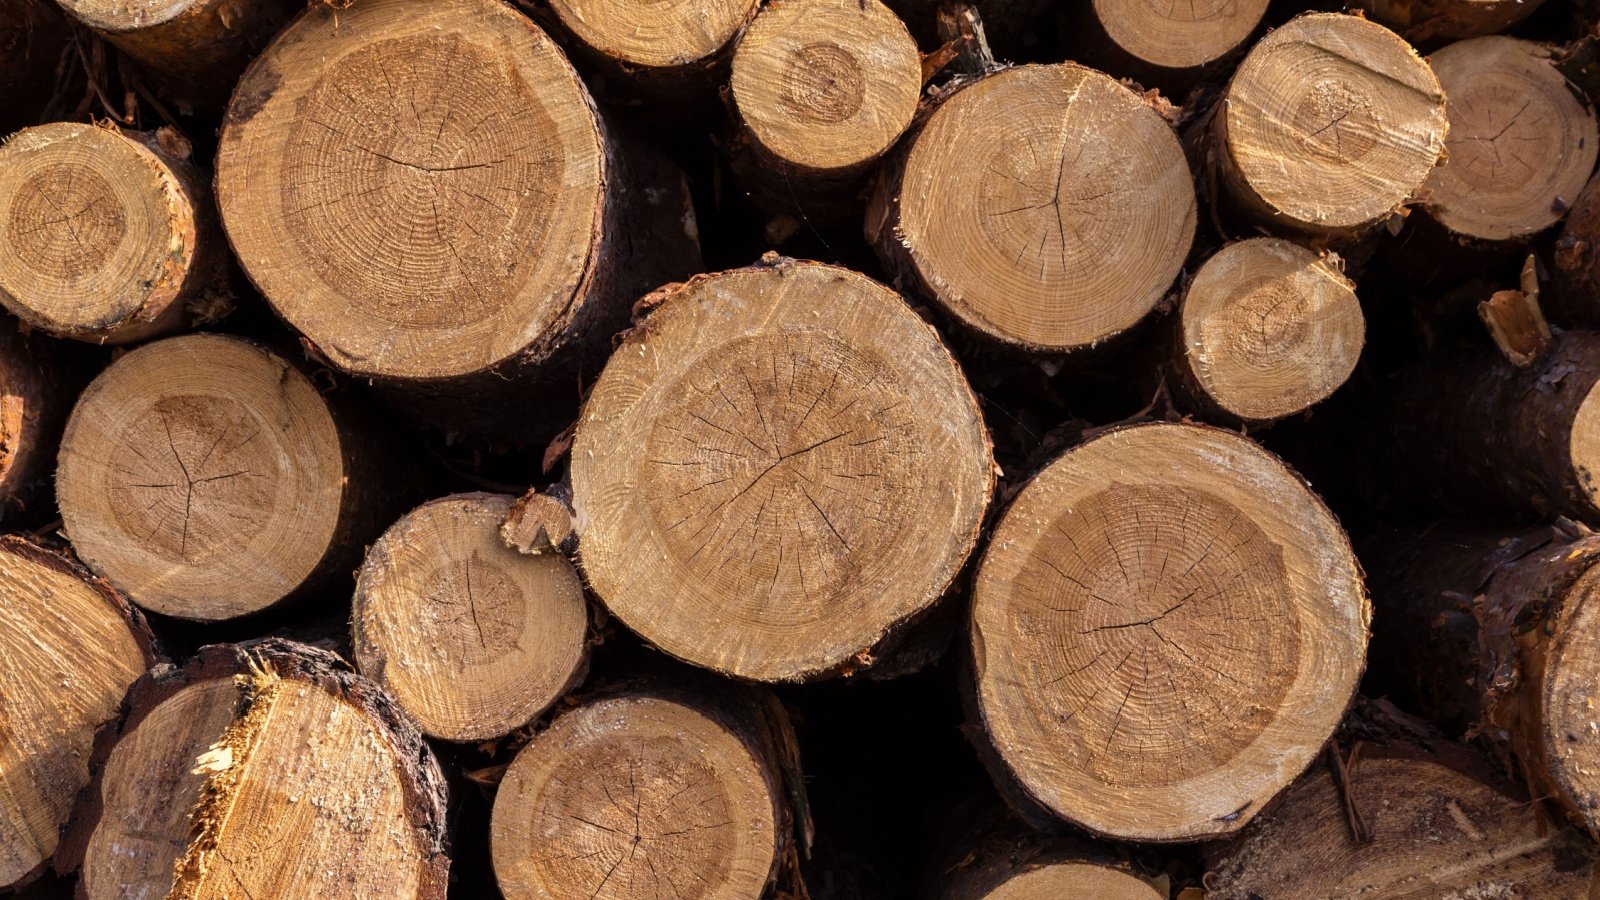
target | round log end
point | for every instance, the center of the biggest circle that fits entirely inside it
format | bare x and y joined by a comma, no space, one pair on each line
203,476
760,481
661,34
1177,36
1047,207
1565,744
826,85
636,797
1330,123
1269,329
1166,627
71,648
432,206
98,236
473,638
1521,143
122,16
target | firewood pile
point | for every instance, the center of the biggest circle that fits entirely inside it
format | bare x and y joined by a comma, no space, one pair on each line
799,449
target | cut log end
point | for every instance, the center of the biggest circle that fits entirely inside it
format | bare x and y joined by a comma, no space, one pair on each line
1331,123
268,772
759,488
203,476
636,797
1048,207
826,85
312,206
1154,609
1269,329
473,638
1179,36
72,647
1521,143
118,16
667,34
538,523
1053,881
99,235
1563,725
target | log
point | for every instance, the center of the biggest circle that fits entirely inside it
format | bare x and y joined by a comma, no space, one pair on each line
1329,125
989,857
1493,631
110,234
69,647
1573,295
1168,46
260,770
1265,329
820,90
471,249
1013,27
1166,628
33,34
208,479
473,638
193,50
1047,208
1521,145
777,471
539,523
637,792
671,55
1435,821
1430,21
35,389
1473,433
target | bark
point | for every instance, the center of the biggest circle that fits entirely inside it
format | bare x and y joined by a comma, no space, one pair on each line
1573,296
1473,433
1484,630
230,687
1432,21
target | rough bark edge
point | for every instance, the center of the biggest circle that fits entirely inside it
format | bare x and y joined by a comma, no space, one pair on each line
196,56
1034,811
362,644
894,634
61,563
1574,263
30,369
1384,732
1433,22
1088,35
248,664
882,232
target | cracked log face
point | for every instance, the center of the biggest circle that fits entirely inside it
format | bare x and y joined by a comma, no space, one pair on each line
1165,616
767,491
655,34
203,476
98,234
1048,207
69,648
267,773
1169,35
637,797
1441,826
1329,124
826,85
1521,143
472,637
1268,329
416,188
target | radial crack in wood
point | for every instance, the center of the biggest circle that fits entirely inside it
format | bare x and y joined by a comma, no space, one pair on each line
208,479
473,638
1045,207
641,795
106,235
1166,627
69,648
777,469
261,770
1522,142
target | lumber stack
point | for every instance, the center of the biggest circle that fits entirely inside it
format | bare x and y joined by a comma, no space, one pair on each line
754,449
